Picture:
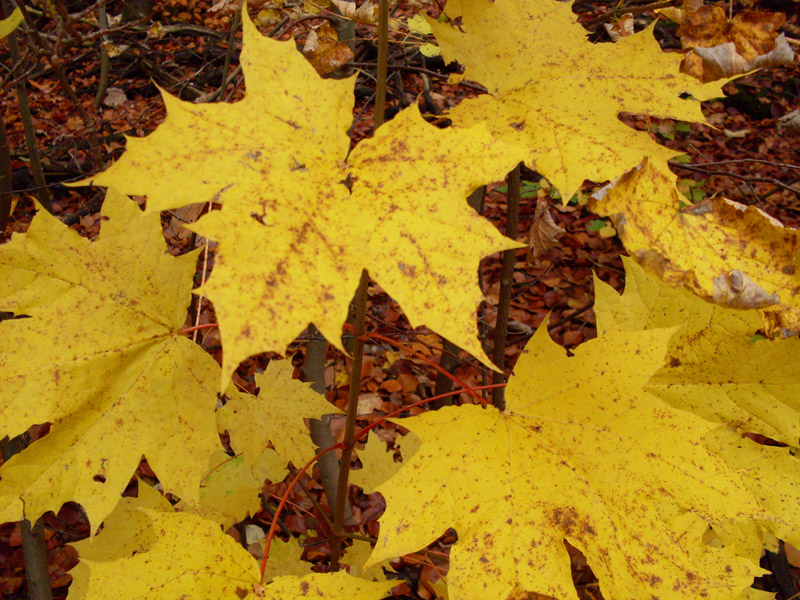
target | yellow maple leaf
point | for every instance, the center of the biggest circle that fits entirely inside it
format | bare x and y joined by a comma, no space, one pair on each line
377,465
285,558
275,416
713,369
101,359
356,556
557,96
293,238
229,492
154,552
583,454
722,251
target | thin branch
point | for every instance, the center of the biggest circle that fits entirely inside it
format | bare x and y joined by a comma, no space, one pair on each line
739,161
631,10
746,178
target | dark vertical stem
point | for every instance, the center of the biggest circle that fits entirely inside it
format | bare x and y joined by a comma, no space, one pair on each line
5,177
360,317
105,61
37,575
35,553
383,60
237,17
443,383
58,68
506,286
314,372
42,192
350,422
476,200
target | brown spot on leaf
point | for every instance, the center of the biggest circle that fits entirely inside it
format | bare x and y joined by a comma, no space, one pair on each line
564,518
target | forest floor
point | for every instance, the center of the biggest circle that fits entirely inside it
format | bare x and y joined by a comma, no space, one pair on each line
183,47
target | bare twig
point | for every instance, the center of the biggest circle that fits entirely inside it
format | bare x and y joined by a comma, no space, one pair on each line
632,10
746,178
506,286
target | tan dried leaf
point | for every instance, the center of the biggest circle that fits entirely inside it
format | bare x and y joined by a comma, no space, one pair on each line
622,27
364,14
722,48
324,50
544,232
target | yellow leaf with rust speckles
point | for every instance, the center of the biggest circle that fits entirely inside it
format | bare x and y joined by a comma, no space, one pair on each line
377,465
275,416
722,251
713,369
229,493
100,358
583,454
293,237
556,96
148,552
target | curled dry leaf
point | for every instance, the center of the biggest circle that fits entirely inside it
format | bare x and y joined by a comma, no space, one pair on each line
791,119
544,232
223,4
622,27
364,14
722,47
324,50
721,250
114,97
